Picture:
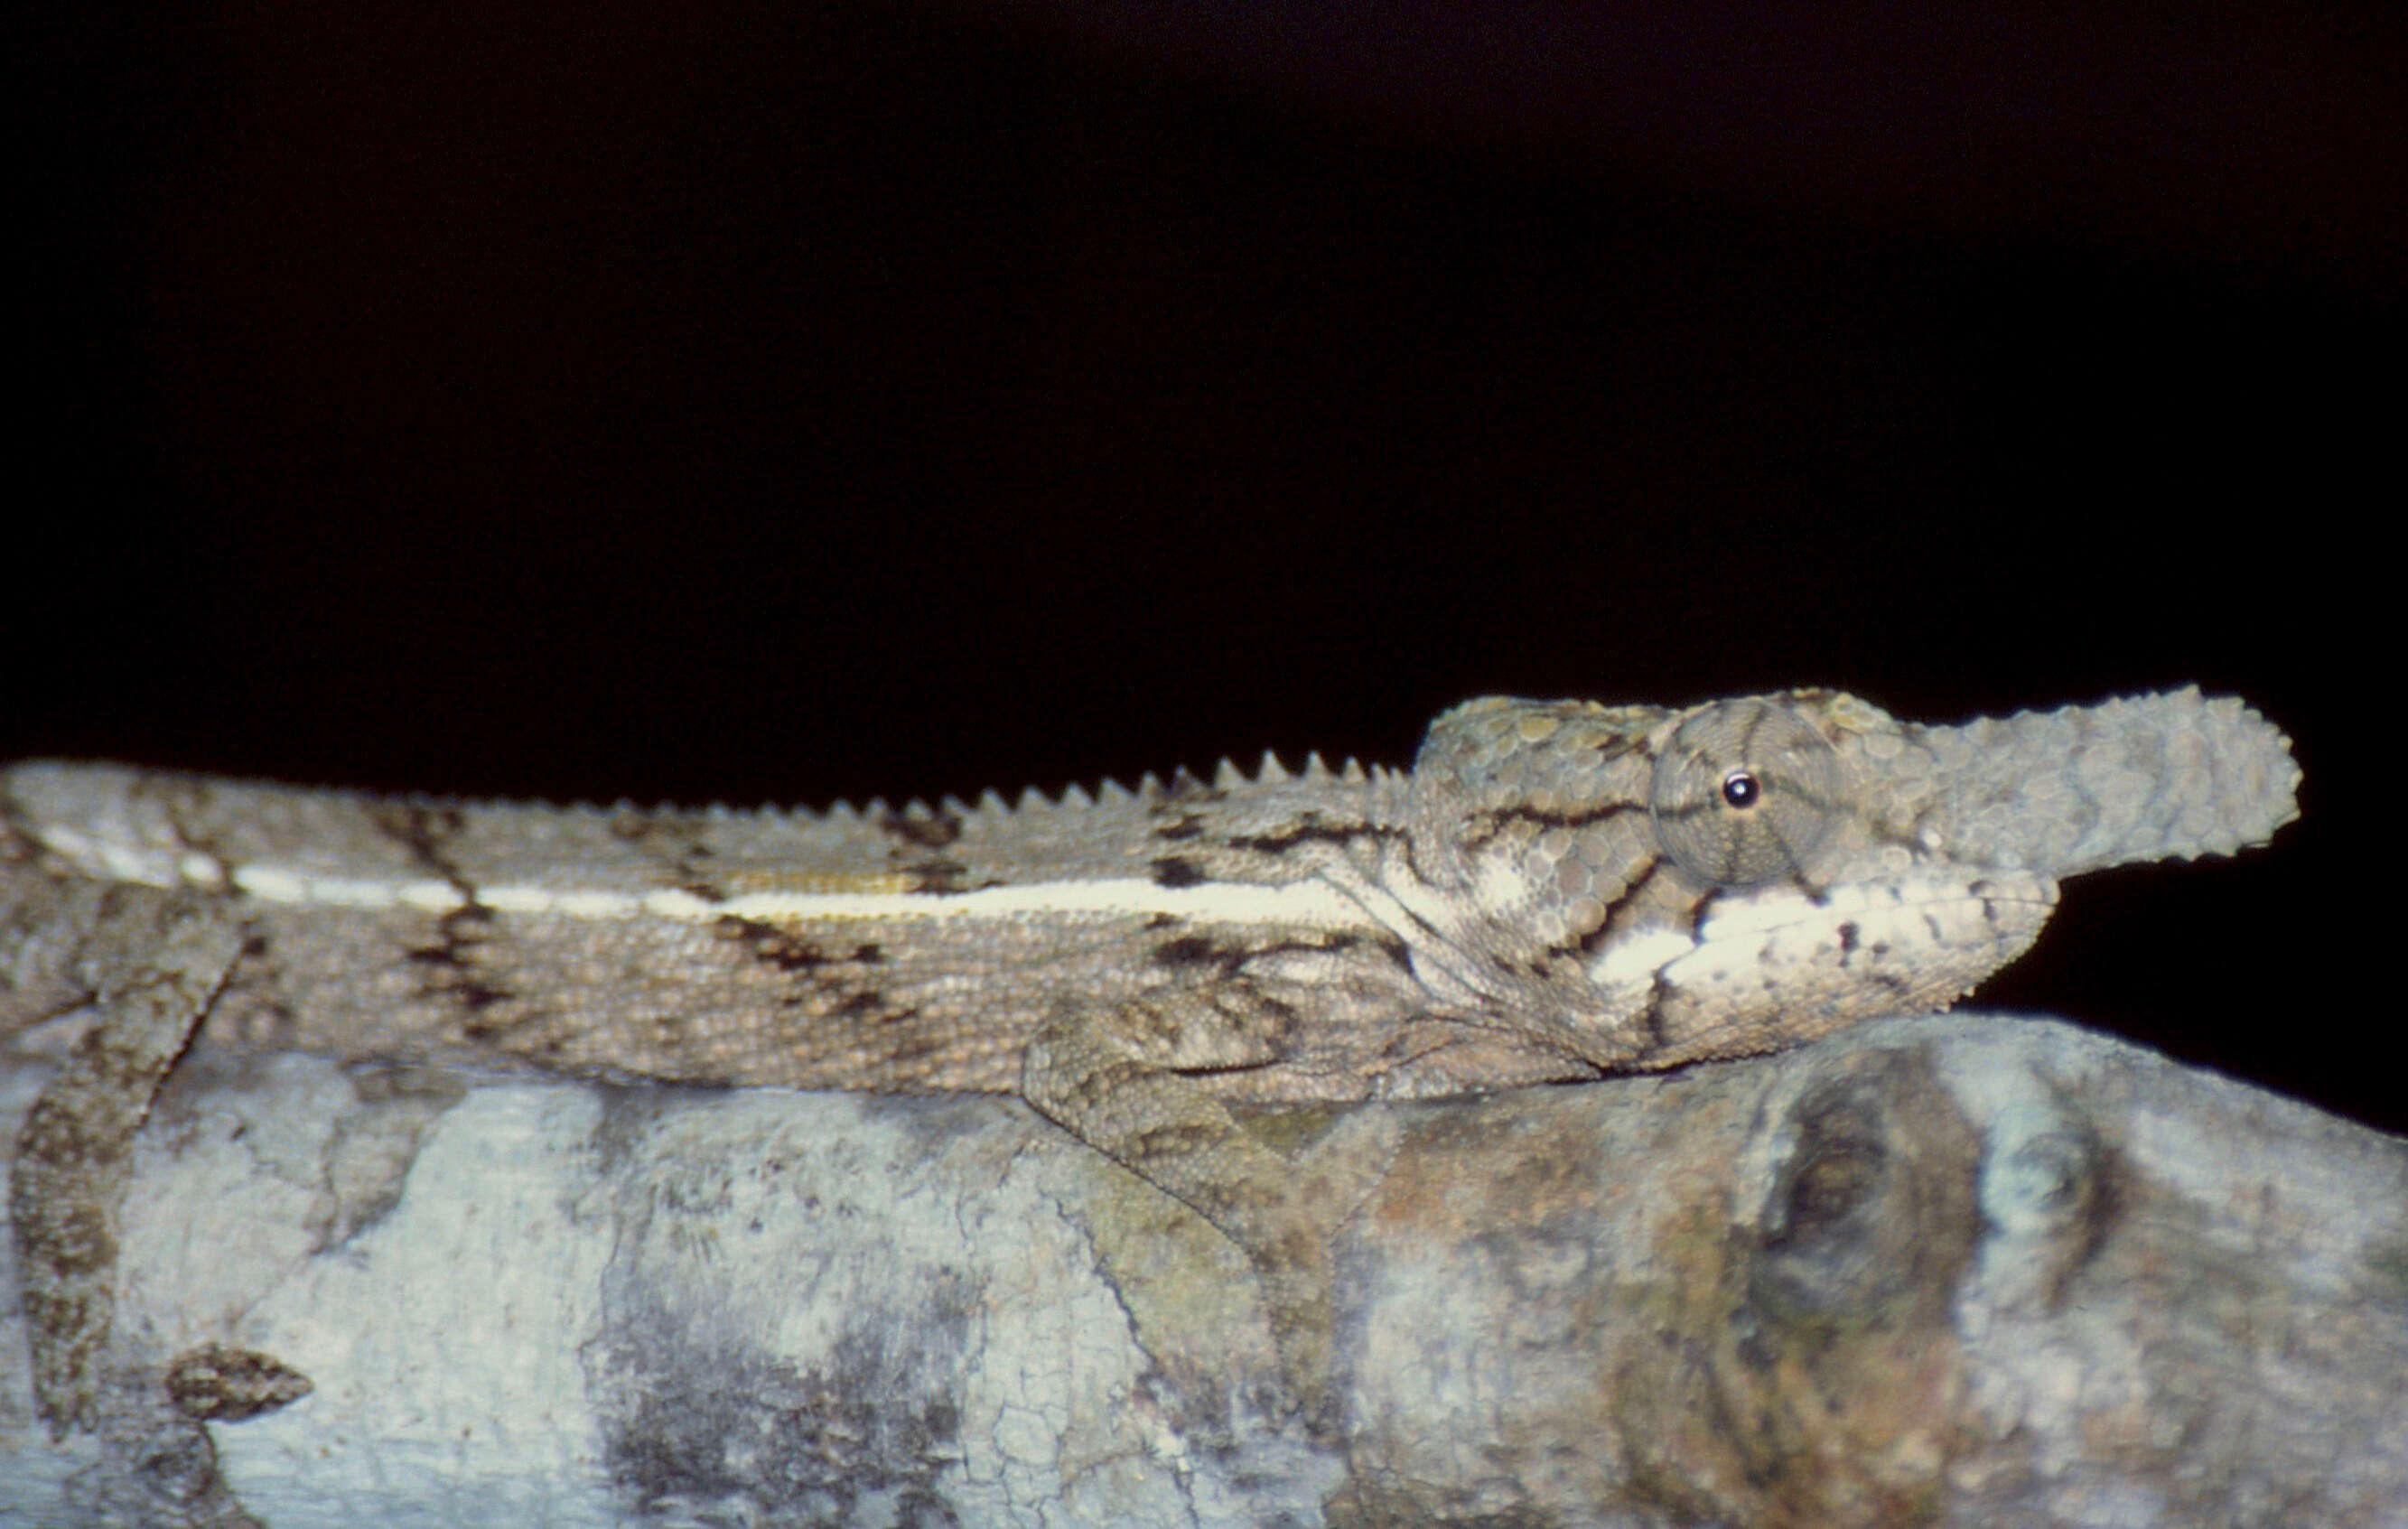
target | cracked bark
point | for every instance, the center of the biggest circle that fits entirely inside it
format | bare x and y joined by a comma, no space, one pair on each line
1957,1270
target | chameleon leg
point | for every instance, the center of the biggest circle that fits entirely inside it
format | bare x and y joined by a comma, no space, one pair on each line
1085,1072
150,963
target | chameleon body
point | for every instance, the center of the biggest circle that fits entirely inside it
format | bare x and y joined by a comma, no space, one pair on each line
1556,890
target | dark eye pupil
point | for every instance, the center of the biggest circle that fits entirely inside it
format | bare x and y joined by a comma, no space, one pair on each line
1740,789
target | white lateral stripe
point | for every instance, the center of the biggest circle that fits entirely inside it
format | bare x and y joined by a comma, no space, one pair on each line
116,861
1309,903
278,884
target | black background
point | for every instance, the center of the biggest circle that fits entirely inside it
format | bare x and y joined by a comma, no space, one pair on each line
785,403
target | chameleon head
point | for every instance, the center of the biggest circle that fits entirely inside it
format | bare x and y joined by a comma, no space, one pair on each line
1802,885
1746,874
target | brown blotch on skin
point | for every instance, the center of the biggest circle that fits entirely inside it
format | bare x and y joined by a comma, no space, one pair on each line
929,833
771,945
939,876
1178,871
1191,951
453,972
629,826
423,830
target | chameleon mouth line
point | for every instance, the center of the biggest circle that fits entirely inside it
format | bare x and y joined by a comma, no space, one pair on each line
1849,903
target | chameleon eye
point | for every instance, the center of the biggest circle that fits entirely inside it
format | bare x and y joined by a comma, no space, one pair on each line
1744,792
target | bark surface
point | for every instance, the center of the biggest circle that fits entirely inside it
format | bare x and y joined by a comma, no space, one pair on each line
1964,1270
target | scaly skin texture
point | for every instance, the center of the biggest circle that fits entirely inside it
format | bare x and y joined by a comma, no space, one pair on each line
1556,890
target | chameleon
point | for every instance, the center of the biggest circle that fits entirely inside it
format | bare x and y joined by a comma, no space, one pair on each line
1556,890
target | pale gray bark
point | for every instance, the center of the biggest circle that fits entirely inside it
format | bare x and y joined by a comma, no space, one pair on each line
1964,1270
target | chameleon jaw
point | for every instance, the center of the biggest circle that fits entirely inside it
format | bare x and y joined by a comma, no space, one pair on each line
1780,965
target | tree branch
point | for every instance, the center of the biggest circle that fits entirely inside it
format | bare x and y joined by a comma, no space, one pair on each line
1964,1270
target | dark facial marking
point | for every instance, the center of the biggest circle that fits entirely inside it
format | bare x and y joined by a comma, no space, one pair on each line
1488,825
1310,832
1888,983
1611,923
1651,1018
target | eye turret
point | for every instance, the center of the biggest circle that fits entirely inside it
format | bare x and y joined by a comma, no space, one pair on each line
1744,792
